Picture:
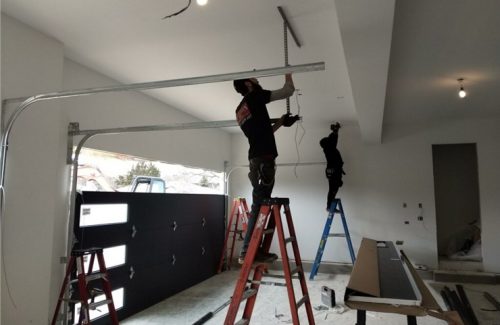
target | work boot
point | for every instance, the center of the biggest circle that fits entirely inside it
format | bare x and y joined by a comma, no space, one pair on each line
259,257
241,258
265,257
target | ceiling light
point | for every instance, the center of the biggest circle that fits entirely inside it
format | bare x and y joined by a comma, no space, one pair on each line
201,2
461,93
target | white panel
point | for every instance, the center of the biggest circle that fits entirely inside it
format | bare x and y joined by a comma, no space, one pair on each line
103,214
113,256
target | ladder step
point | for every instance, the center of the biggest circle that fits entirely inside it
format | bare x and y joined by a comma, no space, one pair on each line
268,283
248,293
302,301
71,301
90,277
336,235
242,322
278,276
95,305
289,240
268,231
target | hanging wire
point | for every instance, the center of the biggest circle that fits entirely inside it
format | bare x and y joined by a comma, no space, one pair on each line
178,12
7,285
299,123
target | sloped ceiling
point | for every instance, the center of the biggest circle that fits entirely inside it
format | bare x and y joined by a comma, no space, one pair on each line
387,62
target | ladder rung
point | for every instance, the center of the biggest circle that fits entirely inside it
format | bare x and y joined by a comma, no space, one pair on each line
302,301
94,305
91,277
237,231
242,322
268,283
268,231
336,235
248,293
278,276
289,240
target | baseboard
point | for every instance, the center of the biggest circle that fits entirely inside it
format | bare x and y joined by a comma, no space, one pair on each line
466,277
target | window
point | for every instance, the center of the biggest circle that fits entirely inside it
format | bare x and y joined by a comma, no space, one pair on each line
114,256
108,171
118,299
102,214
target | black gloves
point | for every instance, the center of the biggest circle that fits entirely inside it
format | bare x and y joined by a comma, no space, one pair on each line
289,120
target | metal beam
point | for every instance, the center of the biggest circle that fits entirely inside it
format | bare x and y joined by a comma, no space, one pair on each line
317,66
163,127
294,36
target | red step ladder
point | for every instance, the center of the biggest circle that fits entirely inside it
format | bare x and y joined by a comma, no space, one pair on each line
85,292
270,214
239,214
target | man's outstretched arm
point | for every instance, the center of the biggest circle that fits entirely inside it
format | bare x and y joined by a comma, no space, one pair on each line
286,91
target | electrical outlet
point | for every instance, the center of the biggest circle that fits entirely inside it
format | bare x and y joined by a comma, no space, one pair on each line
420,218
407,222
399,242
420,205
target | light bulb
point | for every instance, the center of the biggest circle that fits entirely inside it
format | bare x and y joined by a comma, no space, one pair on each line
462,93
201,2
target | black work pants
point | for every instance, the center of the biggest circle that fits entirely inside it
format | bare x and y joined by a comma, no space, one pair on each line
334,183
261,175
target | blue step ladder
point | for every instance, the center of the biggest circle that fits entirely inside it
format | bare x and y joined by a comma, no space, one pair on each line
335,207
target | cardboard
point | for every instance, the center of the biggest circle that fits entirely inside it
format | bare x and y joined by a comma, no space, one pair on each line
365,279
364,276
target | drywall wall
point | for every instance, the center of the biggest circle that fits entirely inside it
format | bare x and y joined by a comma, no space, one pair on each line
380,180
33,225
207,148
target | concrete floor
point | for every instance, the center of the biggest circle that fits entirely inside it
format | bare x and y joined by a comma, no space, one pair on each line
272,304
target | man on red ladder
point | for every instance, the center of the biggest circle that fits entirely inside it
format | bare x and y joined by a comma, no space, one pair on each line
253,118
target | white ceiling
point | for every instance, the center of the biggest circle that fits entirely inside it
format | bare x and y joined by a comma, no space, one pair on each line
433,43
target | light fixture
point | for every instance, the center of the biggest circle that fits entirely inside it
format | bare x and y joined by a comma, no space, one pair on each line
201,2
461,93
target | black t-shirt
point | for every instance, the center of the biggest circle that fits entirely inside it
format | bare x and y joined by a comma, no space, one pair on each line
333,157
253,118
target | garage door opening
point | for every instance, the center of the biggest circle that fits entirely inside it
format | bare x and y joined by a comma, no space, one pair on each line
103,171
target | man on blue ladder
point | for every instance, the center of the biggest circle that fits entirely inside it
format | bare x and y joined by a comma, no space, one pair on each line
334,163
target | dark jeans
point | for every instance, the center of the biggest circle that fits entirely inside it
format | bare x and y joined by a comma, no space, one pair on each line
334,182
261,175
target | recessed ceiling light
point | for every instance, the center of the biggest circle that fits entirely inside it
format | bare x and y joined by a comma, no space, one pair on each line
201,2
461,93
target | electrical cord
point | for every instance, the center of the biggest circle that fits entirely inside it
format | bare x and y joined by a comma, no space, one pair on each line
178,12
299,123
4,269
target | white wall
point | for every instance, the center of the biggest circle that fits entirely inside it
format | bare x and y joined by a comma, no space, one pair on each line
35,198
380,178
206,148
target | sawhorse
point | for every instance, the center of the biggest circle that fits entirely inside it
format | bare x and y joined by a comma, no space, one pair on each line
361,318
